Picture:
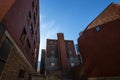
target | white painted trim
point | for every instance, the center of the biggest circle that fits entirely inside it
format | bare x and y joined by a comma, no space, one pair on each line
10,38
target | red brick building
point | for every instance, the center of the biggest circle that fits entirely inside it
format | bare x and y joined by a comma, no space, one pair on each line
42,66
19,34
60,54
99,46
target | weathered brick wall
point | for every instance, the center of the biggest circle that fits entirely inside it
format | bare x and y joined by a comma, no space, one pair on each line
111,13
48,62
74,60
14,63
5,5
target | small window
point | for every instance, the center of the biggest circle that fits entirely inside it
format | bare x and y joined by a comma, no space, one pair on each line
31,29
2,30
69,43
35,50
34,42
29,16
52,64
52,52
70,52
35,56
97,28
2,63
5,49
72,64
27,46
23,35
34,17
36,11
52,58
51,42
52,46
33,4
21,73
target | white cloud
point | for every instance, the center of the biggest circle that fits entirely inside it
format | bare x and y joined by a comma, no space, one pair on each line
48,30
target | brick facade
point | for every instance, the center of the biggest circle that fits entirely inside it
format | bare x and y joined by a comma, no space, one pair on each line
19,39
99,46
42,66
60,54
15,62
24,17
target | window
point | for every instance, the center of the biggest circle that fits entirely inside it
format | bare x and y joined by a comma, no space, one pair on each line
35,56
5,49
52,52
4,52
51,42
52,46
69,43
34,42
30,77
23,35
36,34
29,16
35,50
36,10
31,29
52,58
2,30
2,63
33,4
97,28
34,18
72,64
52,64
21,73
27,46
70,52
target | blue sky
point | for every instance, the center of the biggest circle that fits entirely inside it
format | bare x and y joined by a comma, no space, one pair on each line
68,16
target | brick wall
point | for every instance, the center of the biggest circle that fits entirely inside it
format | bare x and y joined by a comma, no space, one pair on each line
14,63
112,12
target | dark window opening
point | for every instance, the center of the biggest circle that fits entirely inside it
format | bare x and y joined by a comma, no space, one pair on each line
32,54
97,28
31,29
36,34
34,17
34,43
30,77
36,11
5,49
27,46
21,73
33,5
2,63
23,35
29,16
2,30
